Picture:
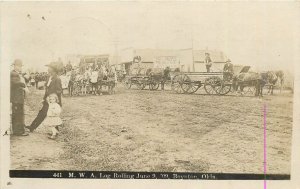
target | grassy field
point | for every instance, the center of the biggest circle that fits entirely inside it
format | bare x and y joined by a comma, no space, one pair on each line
146,130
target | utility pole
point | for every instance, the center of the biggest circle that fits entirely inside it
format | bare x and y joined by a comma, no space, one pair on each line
192,34
192,42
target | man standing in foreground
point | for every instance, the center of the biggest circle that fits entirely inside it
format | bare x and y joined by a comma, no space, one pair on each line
53,85
17,96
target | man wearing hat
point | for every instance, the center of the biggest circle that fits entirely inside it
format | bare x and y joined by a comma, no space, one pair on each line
53,85
208,62
69,67
228,70
17,96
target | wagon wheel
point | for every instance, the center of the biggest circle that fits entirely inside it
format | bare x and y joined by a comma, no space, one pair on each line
224,88
194,86
153,85
186,83
140,85
127,83
181,83
176,84
212,85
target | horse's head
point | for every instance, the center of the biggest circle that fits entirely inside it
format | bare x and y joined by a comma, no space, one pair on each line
271,77
280,74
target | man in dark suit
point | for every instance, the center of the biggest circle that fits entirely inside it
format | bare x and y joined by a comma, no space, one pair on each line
17,95
208,62
53,85
228,71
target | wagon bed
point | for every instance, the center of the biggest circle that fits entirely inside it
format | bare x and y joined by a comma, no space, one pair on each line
141,81
190,82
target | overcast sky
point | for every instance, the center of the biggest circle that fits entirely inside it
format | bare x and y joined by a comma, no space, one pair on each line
263,35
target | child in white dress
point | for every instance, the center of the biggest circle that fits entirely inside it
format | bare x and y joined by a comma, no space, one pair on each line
53,119
94,81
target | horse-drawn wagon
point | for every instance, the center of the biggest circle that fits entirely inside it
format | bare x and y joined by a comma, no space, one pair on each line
215,83
190,82
147,77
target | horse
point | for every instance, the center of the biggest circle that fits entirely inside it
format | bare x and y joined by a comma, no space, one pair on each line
111,81
102,77
159,75
272,77
271,80
279,78
78,83
254,79
72,75
85,81
106,77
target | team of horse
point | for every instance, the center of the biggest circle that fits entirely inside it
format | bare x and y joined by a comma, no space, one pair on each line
259,81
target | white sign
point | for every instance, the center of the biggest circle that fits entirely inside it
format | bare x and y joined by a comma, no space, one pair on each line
166,61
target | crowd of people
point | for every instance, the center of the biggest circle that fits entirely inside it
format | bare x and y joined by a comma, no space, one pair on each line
89,78
33,79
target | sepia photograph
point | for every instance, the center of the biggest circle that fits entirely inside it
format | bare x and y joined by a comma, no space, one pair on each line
149,90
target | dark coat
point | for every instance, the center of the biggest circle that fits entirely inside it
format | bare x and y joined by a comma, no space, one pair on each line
68,67
54,87
207,60
17,93
228,68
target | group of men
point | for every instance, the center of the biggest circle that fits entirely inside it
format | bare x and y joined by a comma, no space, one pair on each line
34,78
227,69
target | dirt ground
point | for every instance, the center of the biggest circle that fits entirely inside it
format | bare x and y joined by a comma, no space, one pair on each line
135,130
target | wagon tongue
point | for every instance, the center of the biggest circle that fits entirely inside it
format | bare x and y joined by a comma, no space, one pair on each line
245,69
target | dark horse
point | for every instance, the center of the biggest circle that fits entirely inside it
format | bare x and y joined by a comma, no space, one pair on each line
159,76
250,79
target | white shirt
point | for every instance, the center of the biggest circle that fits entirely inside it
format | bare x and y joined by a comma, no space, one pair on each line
94,77
49,81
